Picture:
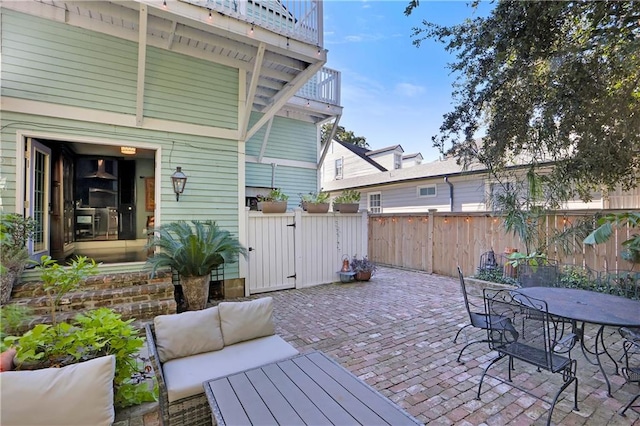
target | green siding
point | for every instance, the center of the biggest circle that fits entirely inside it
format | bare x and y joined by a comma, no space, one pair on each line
52,62
190,90
291,139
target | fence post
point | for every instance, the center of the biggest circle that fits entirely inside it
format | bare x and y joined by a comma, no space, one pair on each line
298,257
430,241
364,242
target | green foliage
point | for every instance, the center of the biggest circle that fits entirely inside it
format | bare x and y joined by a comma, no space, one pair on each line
315,197
604,231
195,249
11,318
59,280
546,82
275,194
91,335
495,275
15,231
348,196
343,135
363,265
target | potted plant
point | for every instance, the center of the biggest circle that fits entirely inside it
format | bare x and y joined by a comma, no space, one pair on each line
364,268
193,250
315,202
15,231
274,202
347,202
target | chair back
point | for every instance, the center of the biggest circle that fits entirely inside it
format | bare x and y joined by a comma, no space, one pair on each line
463,288
521,327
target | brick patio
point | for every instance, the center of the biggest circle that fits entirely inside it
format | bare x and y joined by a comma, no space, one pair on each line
396,331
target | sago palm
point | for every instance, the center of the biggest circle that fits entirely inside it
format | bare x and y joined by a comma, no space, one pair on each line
193,249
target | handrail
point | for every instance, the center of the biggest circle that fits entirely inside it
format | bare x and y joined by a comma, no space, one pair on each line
297,19
323,87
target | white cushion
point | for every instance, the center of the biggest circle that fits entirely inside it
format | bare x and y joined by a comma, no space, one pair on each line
188,333
76,395
184,376
242,321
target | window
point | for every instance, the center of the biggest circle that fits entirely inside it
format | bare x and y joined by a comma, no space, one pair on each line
397,161
427,191
339,168
374,202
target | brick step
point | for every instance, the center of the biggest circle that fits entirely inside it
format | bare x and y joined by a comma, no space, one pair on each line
92,299
142,312
98,282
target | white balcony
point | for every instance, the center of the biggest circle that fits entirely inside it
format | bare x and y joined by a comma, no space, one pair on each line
297,19
323,87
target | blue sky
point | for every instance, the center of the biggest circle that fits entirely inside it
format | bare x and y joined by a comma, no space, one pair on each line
392,92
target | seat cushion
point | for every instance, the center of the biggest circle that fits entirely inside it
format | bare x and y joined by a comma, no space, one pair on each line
184,376
75,395
242,321
188,333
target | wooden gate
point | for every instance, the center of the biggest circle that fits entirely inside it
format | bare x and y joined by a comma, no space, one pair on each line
271,259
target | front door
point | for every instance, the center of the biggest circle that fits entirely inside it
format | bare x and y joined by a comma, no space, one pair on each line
38,196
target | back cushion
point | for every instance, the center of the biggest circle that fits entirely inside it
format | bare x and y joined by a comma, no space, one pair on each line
188,333
76,395
242,321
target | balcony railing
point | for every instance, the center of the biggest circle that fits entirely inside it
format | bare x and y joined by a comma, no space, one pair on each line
323,87
297,19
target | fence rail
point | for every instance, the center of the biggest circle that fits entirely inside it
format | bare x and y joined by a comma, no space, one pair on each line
439,242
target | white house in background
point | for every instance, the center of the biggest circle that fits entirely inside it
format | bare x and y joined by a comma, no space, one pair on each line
442,184
411,160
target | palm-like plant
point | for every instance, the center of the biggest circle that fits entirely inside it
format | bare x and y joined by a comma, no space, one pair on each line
193,250
604,231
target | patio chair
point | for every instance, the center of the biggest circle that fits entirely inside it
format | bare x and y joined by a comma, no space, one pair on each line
478,319
631,346
535,346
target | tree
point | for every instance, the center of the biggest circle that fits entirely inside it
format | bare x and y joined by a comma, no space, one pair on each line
547,83
344,136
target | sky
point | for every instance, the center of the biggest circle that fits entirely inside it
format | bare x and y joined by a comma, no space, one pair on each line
393,92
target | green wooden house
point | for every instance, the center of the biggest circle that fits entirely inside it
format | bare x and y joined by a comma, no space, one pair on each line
103,101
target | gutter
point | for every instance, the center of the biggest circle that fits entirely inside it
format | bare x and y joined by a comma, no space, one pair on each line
446,179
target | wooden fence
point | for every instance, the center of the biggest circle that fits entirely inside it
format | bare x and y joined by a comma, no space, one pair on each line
439,242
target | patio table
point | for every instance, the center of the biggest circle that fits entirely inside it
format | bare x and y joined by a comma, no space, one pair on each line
589,307
309,389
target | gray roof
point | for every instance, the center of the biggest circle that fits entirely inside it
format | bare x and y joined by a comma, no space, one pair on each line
362,153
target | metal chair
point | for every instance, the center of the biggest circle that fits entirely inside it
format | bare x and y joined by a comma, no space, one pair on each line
478,319
631,346
508,312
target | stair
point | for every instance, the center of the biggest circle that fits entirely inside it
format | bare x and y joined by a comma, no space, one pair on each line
133,295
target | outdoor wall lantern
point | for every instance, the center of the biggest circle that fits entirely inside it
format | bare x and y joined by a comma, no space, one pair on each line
179,180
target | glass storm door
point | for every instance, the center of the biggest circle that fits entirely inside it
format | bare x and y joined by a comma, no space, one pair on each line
37,200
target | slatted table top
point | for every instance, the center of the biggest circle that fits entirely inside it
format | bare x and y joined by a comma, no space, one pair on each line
309,389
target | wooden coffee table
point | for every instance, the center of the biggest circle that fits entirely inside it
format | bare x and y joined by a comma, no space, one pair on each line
307,389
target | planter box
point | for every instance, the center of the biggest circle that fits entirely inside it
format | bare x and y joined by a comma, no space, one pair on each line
317,207
346,207
272,206
475,286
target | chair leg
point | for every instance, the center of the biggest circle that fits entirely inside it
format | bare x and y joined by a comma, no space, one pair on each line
555,399
626,407
467,345
484,373
458,333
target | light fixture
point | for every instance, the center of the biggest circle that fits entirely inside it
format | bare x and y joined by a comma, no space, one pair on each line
210,17
164,3
251,31
128,150
179,180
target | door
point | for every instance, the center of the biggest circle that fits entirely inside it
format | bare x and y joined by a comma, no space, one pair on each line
126,212
38,196
271,260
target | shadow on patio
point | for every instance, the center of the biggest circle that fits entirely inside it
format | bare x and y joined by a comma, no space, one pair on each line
396,331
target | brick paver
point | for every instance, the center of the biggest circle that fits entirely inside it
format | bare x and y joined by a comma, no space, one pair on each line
396,333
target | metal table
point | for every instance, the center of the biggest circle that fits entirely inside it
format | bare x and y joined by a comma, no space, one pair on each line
309,389
589,307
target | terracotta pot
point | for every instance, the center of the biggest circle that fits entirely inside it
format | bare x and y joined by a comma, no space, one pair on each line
347,207
363,275
273,206
317,207
196,291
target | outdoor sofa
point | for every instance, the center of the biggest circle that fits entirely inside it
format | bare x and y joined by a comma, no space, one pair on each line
190,348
